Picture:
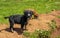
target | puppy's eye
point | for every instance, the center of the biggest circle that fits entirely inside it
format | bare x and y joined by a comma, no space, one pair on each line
28,14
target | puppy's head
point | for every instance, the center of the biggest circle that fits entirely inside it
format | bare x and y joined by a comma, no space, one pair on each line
31,12
28,13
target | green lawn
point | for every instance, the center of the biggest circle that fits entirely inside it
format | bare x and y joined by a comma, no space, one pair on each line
9,7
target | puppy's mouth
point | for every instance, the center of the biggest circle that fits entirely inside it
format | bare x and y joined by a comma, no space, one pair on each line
29,18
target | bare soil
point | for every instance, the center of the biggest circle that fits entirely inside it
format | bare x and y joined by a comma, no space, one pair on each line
33,24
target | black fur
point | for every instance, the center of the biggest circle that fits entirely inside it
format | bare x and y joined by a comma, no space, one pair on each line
19,19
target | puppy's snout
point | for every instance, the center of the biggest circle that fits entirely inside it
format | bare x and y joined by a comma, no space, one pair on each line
28,14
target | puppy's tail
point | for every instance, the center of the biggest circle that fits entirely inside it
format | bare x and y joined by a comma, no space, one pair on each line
6,17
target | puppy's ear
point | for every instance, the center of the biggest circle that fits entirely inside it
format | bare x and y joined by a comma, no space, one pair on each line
25,12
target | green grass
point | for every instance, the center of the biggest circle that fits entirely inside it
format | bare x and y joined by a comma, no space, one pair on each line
58,16
26,33
10,7
38,34
58,36
52,24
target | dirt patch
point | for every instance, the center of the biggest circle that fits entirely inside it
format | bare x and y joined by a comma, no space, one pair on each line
40,23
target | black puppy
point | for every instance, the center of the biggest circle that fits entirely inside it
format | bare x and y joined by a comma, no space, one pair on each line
19,19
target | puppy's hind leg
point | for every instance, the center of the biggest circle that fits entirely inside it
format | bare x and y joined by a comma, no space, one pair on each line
11,24
11,27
